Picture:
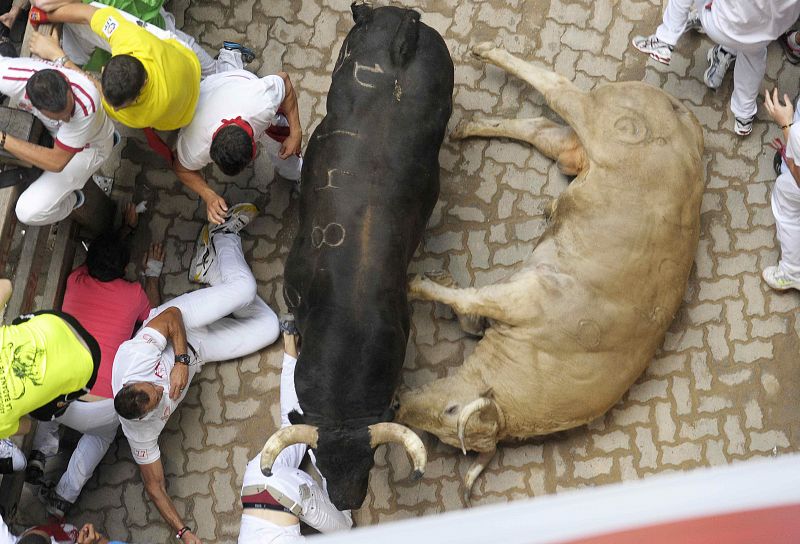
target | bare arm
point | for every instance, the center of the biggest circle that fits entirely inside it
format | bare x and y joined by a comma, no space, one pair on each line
72,13
52,159
5,291
170,324
783,114
47,48
51,5
291,145
216,207
152,287
155,485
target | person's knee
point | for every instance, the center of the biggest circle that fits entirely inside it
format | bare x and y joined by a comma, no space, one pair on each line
29,211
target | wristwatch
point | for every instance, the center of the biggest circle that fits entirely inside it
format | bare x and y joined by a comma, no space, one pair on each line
61,61
182,531
183,359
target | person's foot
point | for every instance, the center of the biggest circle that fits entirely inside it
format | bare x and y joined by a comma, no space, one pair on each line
719,60
288,325
790,46
743,125
204,257
658,50
312,505
248,55
778,279
693,23
239,215
11,457
35,471
55,504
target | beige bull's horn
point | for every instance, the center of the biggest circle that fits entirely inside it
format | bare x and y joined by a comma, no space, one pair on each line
467,412
474,471
282,439
380,433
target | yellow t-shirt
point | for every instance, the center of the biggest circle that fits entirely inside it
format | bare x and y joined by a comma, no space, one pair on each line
169,97
40,360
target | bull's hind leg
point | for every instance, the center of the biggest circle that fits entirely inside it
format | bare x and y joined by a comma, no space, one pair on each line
561,95
553,140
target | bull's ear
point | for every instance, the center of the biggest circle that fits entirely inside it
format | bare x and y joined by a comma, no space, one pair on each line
296,418
404,44
362,12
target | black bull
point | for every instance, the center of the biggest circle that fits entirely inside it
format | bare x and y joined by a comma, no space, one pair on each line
370,181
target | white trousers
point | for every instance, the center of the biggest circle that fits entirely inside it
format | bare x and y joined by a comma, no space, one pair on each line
214,335
51,197
79,41
98,422
751,59
786,210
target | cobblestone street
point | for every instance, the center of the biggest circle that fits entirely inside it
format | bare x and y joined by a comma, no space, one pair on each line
724,387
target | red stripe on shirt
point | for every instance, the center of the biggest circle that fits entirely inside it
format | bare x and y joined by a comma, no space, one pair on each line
21,69
81,104
66,147
16,78
91,101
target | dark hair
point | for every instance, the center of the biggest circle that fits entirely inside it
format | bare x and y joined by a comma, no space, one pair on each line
47,90
131,403
33,538
123,79
107,258
232,149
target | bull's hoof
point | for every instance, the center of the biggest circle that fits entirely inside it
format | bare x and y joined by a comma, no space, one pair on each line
460,132
441,277
481,50
416,475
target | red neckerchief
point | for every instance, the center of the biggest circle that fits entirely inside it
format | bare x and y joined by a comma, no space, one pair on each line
241,123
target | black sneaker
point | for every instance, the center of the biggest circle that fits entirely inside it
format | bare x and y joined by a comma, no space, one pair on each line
248,55
35,471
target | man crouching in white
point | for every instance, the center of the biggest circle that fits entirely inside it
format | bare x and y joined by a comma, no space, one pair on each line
151,371
273,506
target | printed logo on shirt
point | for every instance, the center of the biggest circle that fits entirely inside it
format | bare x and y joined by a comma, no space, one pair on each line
167,412
110,26
140,454
149,339
160,370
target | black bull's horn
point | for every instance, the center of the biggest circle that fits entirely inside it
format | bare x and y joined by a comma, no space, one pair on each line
379,433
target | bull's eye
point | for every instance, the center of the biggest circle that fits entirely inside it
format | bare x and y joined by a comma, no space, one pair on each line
630,130
450,410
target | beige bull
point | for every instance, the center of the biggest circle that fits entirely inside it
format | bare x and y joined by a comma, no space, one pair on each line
576,325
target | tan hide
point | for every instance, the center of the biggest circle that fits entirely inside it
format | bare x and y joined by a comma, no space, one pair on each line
578,323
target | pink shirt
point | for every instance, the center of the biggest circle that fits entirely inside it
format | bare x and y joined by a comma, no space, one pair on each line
109,310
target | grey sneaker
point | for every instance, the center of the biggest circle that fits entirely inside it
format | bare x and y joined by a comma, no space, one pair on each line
11,457
790,47
719,60
658,50
743,125
778,279
693,23
239,215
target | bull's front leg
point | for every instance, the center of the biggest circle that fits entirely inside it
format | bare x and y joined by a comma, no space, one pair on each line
493,302
553,140
561,94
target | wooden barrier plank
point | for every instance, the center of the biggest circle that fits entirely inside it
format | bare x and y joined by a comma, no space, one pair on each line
61,260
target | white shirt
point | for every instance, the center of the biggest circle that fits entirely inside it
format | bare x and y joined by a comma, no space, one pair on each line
227,95
5,534
147,357
754,21
89,124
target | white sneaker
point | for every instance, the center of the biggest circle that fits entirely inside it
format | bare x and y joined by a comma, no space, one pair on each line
743,125
11,457
719,60
204,257
693,23
658,50
778,279
239,215
312,506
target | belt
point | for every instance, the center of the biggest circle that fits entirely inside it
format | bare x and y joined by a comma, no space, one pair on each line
257,496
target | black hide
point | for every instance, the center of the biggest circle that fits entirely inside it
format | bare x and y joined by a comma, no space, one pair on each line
369,183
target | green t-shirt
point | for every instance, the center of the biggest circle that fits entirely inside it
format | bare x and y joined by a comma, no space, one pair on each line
148,11
40,359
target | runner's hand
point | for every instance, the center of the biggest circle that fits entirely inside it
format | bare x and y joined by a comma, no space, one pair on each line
156,252
45,47
216,208
291,145
178,379
10,17
88,535
190,538
780,113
